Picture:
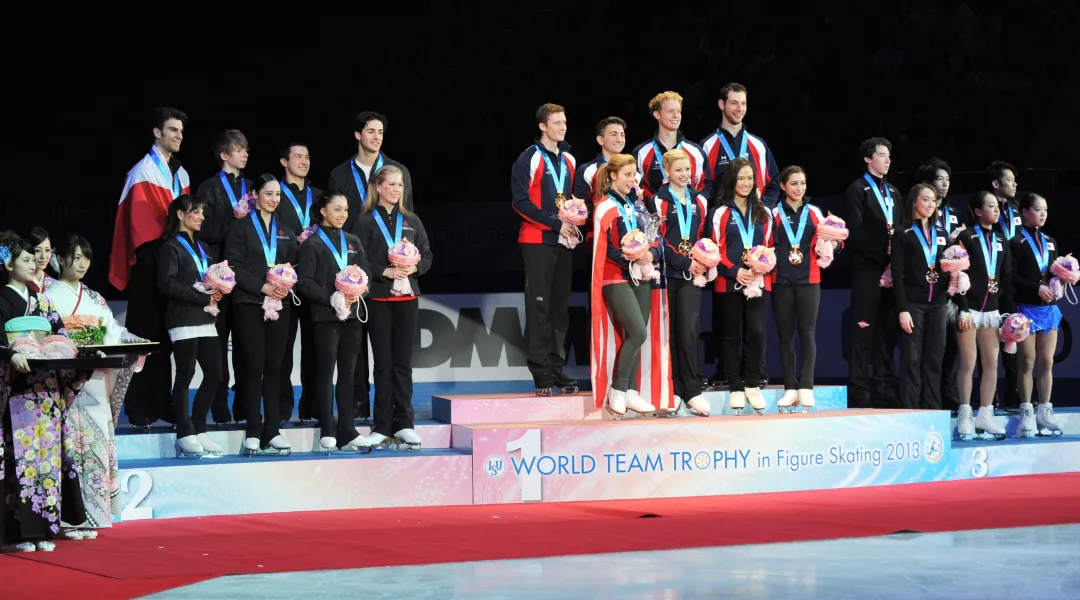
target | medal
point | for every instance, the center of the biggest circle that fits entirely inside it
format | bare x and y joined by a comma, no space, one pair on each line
891,230
560,200
885,203
932,276
990,257
930,252
746,256
559,179
685,215
795,256
992,286
746,234
685,246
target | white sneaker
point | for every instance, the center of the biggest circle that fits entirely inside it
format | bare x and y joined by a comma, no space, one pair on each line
188,446
754,397
1027,421
965,429
358,443
409,438
616,402
788,402
699,405
636,403
328,444
806,399
1045,420
251,445
737,400
985,425
209,445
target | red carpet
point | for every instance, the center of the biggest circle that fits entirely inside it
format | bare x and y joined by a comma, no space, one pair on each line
213,546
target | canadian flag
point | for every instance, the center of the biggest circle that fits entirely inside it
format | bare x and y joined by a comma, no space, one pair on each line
141,216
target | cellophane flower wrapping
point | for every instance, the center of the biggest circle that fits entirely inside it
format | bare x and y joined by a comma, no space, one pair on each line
1014,329
281,276
244,206
219,278
403,254
886,277
84,330
306,233
575,212
1066,272
707,254
955,261
59,346
831,229
635,245
761,260
351,281
27,346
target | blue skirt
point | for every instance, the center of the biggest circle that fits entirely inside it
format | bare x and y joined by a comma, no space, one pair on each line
1043,318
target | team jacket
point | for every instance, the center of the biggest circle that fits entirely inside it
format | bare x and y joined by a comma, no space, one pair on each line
375,248
286,213
533,193
318,268
1009,220
177,276
951,218
765,170
725,232
677,263
244,251
1026,276
219,209
808,272
344,179
909,269
978,298
617,268
869,237
649,164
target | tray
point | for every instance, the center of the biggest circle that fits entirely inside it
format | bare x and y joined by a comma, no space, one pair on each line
87,363
110,349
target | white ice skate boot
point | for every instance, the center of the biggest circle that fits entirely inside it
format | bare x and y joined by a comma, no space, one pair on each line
1045,420
756,400
806,399
680,408
378,440
359,444
1027,421
328,444
211,449
251,446
965,428
636,403
788,402
737,401
408,440
188,447
279,446
20,547
985,426
698,405
616,403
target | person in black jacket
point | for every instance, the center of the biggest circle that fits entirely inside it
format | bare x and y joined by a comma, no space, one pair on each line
1032,254
182,262
221,193
337,340
298,214
253,246
383,224
920,289
150,393
870,216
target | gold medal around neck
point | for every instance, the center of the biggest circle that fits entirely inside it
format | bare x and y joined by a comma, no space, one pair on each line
932,276
685,246
992,286
746,256
795,257
891,230
560,199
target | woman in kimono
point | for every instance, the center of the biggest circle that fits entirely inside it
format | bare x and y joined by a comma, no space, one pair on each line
92,419
41,482
43,257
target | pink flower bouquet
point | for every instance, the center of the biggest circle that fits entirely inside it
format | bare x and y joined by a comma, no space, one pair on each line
707,255
281,277
954,261
219,278
59,346
634,247
306,233
244,206
350,281
832,229
575,212
761,260
1066,273
1014,329
403,255
886,278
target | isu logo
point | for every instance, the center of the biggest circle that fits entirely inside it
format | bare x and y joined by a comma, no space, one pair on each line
495,466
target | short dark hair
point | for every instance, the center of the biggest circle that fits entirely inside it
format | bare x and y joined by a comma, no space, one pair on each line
323,199
977,200
546,110
226,140
164,113
997,169
67,249
1029,199
287,149
262,181
368,116
603,124
869,147
731,87
928,170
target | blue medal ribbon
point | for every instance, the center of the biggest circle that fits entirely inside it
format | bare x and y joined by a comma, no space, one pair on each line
305,213
990,255
171,177
229,190
1008,224
684,219
885,203
341,258
390,242
200,265
1042,256
746,233
727,146
269,249
929,250
795,239
629,217
945,214
356,176
560,179
658,156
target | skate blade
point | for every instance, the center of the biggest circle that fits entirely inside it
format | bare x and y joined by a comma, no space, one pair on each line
965,437
787,410
569,391
1026,434
614,415
277,452
545,392
401,446
188,455
1044,432
982,434
212,455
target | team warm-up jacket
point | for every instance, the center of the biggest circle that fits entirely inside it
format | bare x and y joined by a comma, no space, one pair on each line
757,151
218,213
725,232
533,193
286,213
909,269
1009,220
376,248
177,276
977,298
808,272
318,268
244,251
868,239
649,162
617,268
951,218
1026,277
663,203
346,176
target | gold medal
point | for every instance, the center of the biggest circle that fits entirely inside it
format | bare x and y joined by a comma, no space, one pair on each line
685,246
746,256
891,230
560,200
795,257
932,276
992,286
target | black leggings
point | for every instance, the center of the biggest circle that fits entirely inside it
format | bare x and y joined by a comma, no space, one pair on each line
393,331
207,351
336,344
791,303
745,316
260,349
684,300
921,353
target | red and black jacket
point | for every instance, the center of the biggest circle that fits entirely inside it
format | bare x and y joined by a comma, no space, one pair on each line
617,268
808,272
533,193
649,163
678,264
725,232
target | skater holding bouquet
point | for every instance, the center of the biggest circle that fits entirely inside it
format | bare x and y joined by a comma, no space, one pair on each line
397,247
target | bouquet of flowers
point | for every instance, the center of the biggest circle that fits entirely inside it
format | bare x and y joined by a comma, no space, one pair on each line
244,206
1066,273
219,278
350,281
707,255
1014,329
281,277
886,278
59,346
761,260
576,213
832,229
955,261
403,255
84,330
634,247
306,233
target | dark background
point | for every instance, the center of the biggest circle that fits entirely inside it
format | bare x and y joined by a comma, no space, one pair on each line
967,83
